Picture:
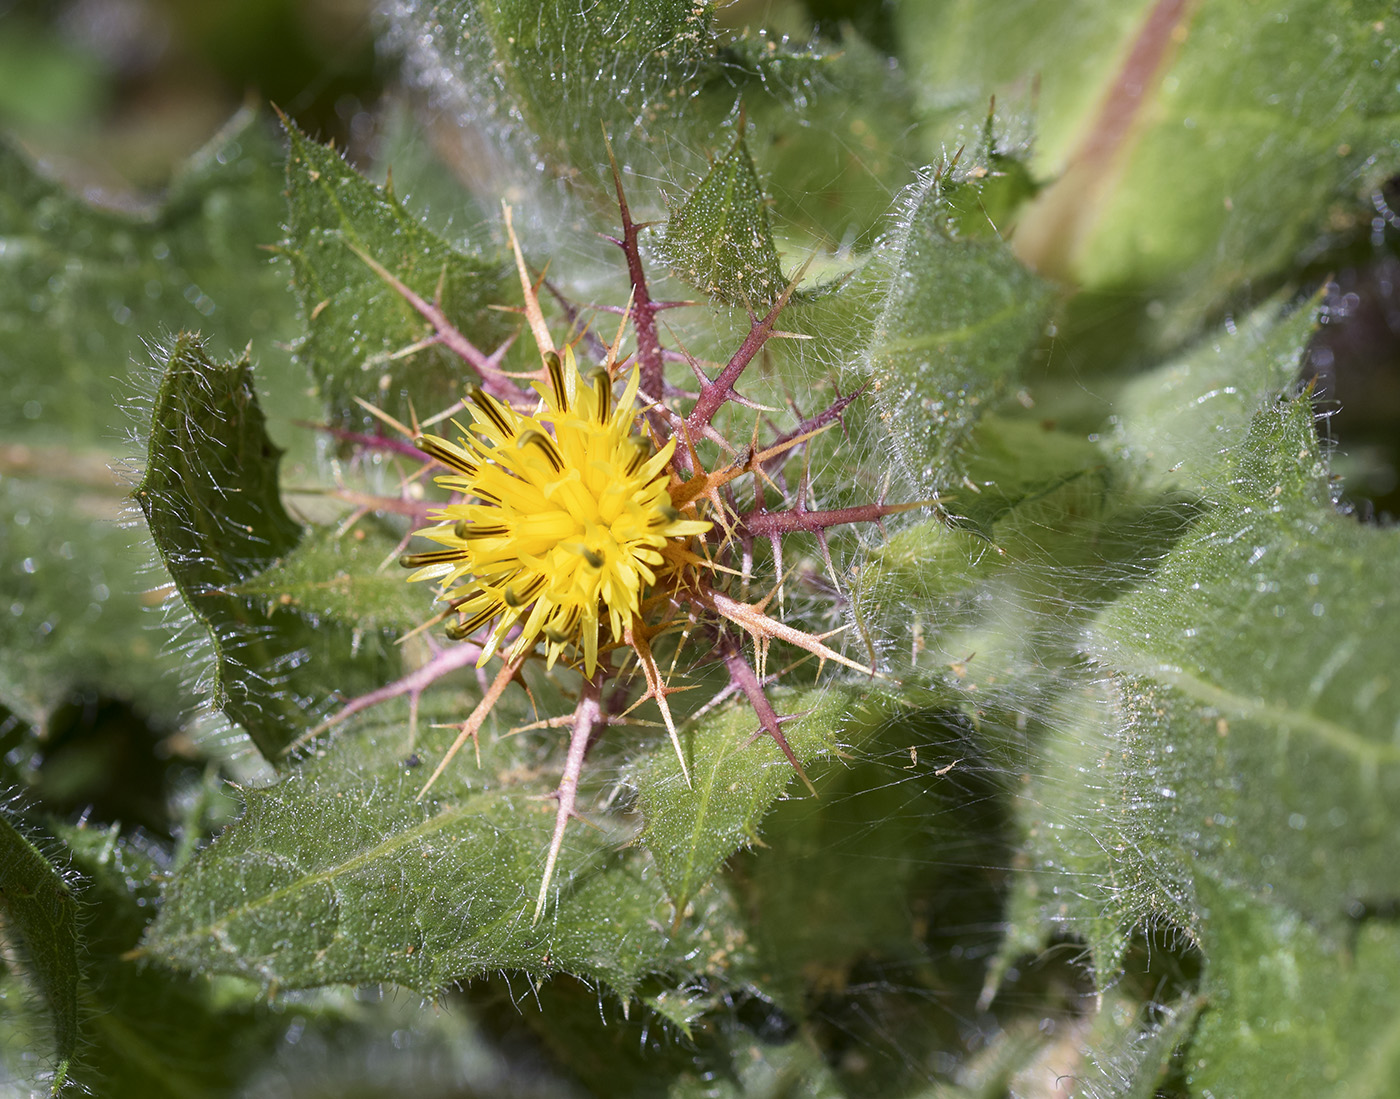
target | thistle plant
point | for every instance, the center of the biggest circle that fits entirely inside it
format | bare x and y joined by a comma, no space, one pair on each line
885,609
590,526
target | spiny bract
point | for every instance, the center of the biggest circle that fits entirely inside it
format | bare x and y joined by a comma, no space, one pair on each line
574,510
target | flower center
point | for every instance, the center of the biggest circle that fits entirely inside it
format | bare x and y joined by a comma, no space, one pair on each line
572,518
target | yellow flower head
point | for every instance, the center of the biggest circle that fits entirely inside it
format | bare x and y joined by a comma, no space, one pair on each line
568,519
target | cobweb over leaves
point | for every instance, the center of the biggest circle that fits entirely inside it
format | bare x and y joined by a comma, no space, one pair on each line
1235,731
537,89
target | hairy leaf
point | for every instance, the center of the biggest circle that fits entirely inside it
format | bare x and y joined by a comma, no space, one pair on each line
74,584
1180,425
1196,147
1286,1005
83,285
1240,788
341,874
39,923
210,497
623,61
960,317
871,877
1240,653
656,77
718,239
350,579
990,596
737,773
363,338
149,1033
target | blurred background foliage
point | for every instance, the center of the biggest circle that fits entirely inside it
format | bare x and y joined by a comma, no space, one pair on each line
120,92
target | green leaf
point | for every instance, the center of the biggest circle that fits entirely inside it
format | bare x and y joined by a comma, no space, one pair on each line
1196,148
655,76
209,494
1242,650
718,239
40,924
1285,1004
81,287
1181,424
1041,534
631,60
147,1032
1045,528
1242,788
362,337
74,583
735,779
351,579
851,882
340,874
960,317
1212,198
958,51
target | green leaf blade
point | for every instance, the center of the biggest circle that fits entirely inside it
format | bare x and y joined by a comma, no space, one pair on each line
1246,637
210,497
1242,785
691,829
1284,1004
960,317
40,919
1181,425
352,579
718,239
363,339
665,87
339,874
83,286
1192,149
737,776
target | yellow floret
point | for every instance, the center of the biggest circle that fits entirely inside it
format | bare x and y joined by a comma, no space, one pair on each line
567,518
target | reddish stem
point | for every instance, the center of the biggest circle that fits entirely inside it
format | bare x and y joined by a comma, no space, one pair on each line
414,684
493,380
644,310
716,393
369,442
761,523
820,420
746,679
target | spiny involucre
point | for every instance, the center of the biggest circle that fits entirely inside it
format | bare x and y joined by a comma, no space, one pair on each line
585,524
